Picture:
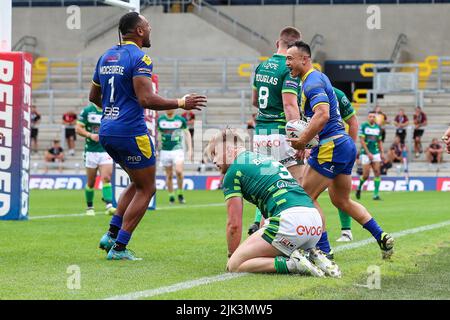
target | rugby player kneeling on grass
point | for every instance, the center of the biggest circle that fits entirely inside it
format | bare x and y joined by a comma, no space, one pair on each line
286,243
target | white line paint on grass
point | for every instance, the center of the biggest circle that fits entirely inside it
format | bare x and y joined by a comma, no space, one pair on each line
229,276
101,213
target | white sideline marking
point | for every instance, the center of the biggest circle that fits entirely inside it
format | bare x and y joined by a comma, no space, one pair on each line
228,276
157,209
177,287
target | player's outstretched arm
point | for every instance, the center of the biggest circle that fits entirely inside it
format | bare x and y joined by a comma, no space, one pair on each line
234,224
150,100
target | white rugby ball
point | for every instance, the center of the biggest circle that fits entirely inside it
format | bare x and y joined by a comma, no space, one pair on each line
294,129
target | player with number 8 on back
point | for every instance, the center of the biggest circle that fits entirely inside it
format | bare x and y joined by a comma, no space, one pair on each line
275,94
122,85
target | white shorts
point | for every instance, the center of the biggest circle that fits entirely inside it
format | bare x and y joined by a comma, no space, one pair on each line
295,228
94,159
170,157
365,158
277,146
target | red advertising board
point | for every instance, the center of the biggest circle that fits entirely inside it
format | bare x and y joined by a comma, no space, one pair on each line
15,100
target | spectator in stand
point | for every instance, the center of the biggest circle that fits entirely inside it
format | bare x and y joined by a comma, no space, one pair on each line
381,120
35,119
69,121
434,152
420,121
401,121
190,119
396,150
55,154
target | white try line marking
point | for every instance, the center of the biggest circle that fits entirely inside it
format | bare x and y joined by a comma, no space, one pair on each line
229,276
100,213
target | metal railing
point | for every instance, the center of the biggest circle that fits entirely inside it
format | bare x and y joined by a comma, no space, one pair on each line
27,44
176,74
230,25
402,40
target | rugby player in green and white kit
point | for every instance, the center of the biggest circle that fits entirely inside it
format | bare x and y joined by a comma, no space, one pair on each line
172,127
286,243
371,153
95,158
275,94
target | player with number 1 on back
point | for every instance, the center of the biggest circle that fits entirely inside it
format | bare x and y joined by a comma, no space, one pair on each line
122,85
331,161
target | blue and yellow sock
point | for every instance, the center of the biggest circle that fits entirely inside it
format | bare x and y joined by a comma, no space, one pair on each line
324,244
115,225
122,240
373,227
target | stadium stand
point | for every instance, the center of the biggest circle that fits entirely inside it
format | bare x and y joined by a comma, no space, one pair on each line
63,68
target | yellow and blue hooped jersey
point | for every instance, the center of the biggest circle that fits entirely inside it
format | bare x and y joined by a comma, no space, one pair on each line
317,89
114,73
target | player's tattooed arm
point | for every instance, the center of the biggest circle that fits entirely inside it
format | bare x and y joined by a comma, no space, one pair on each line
234,223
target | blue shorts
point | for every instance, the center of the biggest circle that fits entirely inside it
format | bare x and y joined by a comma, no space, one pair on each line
130,152
334,157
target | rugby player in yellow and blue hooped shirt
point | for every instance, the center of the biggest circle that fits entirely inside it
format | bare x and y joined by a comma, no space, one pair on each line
331,162
122,85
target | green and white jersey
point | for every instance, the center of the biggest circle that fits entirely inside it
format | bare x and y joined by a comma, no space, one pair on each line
272,79
172,132
91,117
345,106
371,135
264,182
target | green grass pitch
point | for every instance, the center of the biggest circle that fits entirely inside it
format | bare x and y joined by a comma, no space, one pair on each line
184,243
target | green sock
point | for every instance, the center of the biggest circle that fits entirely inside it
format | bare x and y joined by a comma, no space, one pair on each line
346,220
171,194
258,216
377,181
179,192
280,265
361,182
89,193
107,192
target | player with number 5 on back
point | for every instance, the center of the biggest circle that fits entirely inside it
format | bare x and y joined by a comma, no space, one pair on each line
122,85
331,161
286,243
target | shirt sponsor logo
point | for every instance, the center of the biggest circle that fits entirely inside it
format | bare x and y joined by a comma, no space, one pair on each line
94,118
267,143
113,58
147,60
177,124
310,231
286,243
134,159
145,70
